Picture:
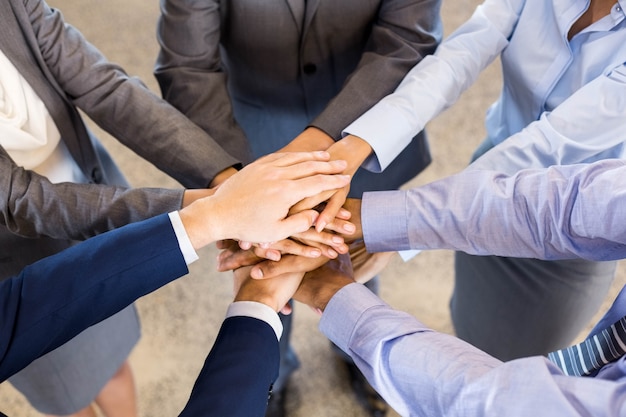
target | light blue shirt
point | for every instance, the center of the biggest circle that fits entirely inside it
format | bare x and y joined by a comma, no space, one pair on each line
557,212
542,71
569,211
424,373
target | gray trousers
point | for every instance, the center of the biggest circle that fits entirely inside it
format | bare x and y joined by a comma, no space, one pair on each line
512,308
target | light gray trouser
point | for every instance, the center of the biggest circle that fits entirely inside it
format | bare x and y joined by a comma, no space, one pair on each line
512,307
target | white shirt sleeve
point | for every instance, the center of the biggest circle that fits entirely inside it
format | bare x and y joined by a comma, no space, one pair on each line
258,311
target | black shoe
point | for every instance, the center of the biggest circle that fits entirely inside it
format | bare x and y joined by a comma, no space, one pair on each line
276,404
365,393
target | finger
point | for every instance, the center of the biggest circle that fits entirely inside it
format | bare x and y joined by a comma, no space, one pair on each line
312,201
341,226
311,186
245,245
309,168
229,260
323,241
285,159
226,244
286,310
268,253
344,214
332,208
288,264
292,247
298,223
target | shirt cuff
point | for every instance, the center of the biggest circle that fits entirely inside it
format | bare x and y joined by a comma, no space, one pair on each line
384,221
386,130
189,253
343,311
258,311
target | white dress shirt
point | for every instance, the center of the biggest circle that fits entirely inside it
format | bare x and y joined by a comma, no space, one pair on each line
541,71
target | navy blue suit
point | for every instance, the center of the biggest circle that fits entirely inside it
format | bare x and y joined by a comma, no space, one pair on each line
56,298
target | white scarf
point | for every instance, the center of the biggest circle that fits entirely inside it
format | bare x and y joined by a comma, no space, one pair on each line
27,131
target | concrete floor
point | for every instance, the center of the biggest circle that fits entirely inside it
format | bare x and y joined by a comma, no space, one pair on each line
180,321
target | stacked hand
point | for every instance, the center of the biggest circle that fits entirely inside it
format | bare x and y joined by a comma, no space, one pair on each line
336,224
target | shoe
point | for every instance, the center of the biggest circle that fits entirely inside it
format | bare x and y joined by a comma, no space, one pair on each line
276,404
365,393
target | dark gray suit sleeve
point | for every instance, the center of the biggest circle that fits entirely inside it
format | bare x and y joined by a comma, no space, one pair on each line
405,32
33,207
190,72
123,106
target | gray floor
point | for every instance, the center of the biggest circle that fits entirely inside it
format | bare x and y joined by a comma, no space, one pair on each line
181,320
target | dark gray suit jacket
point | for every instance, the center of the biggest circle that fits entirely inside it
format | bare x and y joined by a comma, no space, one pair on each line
278,66
69,73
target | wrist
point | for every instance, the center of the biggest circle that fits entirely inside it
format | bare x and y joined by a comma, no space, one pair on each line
352,149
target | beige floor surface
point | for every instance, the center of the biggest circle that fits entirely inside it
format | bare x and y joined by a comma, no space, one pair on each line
181,320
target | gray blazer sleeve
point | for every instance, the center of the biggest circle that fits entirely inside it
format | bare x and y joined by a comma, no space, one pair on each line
123,106
405,32
34,207
190,72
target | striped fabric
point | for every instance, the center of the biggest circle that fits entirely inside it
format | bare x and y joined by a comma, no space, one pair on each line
594,352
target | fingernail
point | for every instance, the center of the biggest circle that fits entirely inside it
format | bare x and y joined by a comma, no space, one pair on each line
349,227
332,253
256,273
315,253
337,239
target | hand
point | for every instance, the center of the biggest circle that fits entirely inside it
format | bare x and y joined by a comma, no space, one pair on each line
352,149
253,205
311,139
287,264
223,176
275,292
367,265
320,285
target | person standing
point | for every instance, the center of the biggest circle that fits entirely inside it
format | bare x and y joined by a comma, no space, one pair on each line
48,71
290,75
512,307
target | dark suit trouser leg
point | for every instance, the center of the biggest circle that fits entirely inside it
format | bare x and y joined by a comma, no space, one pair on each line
288,359
511,307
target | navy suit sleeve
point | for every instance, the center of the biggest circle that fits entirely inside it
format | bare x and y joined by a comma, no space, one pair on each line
238,373
56,298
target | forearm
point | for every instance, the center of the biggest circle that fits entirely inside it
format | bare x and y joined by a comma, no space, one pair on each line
72,205
421,372
402,34
436,82
53,300
586,127
561,212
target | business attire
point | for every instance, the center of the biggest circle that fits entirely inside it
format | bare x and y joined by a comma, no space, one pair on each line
56,298
537,81
421,372
574,211
262,72
63,73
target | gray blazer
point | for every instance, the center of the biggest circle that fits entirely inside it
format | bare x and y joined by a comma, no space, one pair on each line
265,70
68,73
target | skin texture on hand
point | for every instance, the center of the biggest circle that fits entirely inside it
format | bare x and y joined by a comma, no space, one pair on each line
354,151
321,284
253,205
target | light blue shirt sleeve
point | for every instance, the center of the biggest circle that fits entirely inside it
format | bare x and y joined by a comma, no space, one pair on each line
574,211
588,126
421,372
436,82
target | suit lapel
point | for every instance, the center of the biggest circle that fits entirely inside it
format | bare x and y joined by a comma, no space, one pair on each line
297,11
311,8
